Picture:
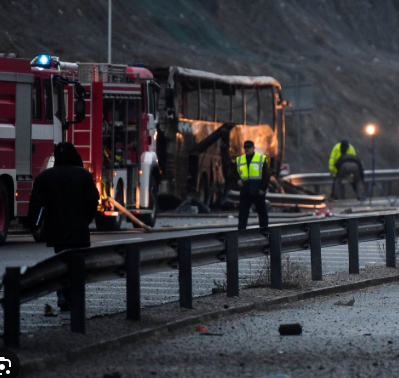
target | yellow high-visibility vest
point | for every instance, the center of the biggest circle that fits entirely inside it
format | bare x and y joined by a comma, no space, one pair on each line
255,167
336,154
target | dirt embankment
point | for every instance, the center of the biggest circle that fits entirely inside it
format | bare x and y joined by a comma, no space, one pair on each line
347,51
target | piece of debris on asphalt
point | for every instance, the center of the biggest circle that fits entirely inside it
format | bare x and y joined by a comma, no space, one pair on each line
115,374
351,302
290,329
201,329
49,310
211,334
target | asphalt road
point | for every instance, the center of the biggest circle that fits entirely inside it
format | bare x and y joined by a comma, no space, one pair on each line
359,341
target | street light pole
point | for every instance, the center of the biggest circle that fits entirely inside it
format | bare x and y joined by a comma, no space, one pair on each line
373,182
371,130
109,31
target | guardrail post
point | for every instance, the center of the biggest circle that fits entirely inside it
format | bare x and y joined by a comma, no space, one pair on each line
315,252
185,273
133,302
275,258
12,302
390,241
232,264
77,281
353,246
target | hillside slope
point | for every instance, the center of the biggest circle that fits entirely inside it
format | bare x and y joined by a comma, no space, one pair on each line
347,50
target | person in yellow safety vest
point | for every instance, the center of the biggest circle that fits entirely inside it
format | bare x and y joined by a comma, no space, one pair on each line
343,150
253,170
336,154
348,166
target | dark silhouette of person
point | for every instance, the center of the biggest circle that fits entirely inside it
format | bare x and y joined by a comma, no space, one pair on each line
69,197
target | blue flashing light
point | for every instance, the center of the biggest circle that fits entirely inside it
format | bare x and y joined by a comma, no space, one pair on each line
43,60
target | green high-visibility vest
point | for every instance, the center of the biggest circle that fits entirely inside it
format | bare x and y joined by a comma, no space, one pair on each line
336,154
255,167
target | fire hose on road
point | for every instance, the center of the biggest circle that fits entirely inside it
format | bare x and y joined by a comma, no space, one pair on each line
146,228
130,216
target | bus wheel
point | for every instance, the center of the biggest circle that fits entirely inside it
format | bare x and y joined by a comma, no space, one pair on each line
150,219
104,223
203,190
4,213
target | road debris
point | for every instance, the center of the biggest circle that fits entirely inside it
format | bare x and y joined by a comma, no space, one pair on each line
201,329
49,310
290,329
115,374
351,302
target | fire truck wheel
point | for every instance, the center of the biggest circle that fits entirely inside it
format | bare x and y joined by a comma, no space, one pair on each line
150,219
153,201
4,213
104,223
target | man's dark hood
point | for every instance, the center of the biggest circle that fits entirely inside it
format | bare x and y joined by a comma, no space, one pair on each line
65,154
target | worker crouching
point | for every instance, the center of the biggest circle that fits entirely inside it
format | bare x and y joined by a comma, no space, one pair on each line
344,164
254,179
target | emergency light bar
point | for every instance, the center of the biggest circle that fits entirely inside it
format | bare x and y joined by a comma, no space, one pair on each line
42,60
48,61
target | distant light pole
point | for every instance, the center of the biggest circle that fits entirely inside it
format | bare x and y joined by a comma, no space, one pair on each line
109,31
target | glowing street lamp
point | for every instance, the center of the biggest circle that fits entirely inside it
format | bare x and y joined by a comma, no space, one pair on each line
371,129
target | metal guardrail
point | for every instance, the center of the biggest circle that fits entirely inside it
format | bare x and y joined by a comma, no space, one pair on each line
316,180
279,199
75,268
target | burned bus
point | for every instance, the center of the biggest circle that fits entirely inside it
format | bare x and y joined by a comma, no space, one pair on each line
204,120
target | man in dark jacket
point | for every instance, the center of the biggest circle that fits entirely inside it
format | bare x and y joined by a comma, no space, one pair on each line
69,198
254,179
348,167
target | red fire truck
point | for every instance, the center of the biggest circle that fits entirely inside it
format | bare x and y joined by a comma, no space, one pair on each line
111,120
117,139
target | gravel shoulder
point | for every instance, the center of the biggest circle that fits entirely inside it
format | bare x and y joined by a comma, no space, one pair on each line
46,348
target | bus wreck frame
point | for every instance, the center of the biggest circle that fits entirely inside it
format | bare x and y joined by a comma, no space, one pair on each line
204,120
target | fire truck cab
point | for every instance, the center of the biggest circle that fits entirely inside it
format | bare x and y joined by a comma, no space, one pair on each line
32,119
111,118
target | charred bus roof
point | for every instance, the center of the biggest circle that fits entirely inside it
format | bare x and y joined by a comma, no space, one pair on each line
227,79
